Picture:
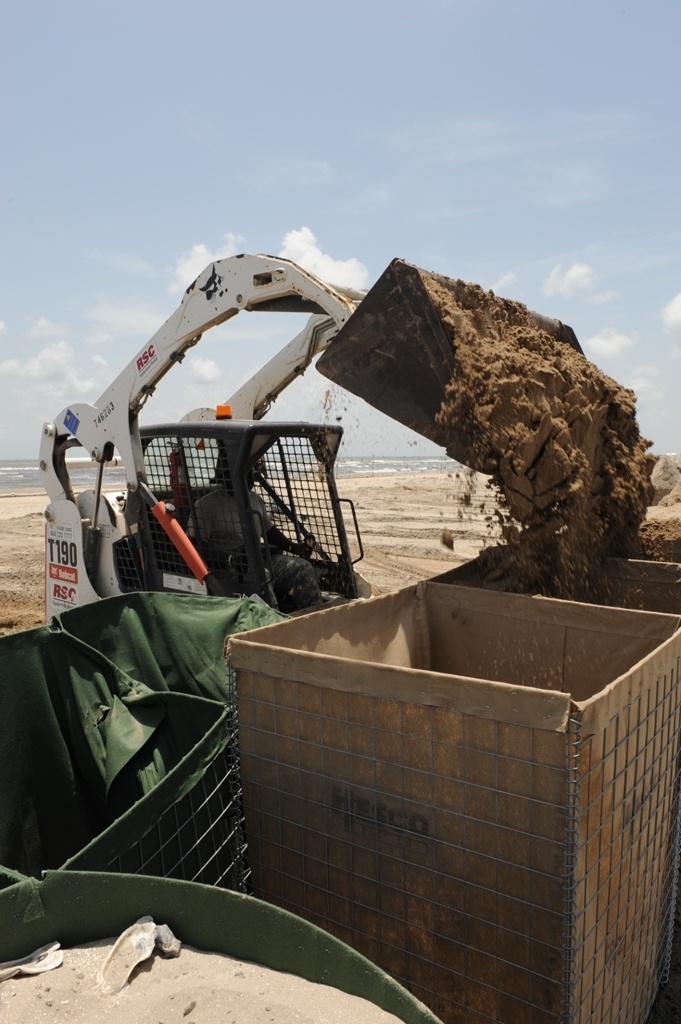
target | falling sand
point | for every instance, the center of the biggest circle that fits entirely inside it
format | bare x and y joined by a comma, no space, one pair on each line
559,439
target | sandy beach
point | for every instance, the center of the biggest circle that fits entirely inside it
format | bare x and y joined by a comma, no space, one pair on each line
404,519
21,559
401,518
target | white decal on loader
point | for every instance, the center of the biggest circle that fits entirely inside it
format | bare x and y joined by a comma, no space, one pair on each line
185,583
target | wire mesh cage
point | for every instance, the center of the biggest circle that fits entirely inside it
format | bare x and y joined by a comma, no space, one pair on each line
478,791
120,747
295,481
201,838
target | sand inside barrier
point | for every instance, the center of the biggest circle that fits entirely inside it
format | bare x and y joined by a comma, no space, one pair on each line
196,987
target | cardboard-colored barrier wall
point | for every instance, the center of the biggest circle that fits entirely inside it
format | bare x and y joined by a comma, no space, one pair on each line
477,791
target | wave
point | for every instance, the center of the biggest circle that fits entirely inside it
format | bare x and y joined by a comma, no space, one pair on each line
18,474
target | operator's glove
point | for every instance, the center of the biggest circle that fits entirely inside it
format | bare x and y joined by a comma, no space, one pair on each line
304,549
238,562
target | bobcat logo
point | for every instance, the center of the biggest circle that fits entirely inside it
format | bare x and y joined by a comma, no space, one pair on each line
212,285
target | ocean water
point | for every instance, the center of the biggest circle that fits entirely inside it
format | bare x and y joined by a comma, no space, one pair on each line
23,474
375,465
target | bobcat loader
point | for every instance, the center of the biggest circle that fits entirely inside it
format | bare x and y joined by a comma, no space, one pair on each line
387,346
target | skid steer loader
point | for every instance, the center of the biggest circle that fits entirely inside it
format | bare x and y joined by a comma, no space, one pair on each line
387,346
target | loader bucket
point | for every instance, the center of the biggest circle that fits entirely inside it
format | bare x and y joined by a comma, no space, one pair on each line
394,352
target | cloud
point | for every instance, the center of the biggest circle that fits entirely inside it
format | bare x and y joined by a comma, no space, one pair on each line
114,320
504,280
190,263
51,363
43,328
3,327
643,383
204,370
52,371
671,315
301,247
608,343
580,277
98,336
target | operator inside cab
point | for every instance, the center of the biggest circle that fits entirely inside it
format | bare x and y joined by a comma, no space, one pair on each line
219,523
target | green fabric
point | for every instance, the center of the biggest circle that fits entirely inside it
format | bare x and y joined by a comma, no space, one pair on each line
79,907
178,637
107,718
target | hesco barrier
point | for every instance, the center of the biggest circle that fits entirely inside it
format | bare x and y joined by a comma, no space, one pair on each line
74,907
118,740
478,791
631,583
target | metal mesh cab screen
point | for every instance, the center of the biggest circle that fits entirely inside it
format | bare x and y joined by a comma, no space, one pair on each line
293,475
294,478
125,563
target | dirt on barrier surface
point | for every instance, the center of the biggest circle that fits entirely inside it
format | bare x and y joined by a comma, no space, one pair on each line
558,437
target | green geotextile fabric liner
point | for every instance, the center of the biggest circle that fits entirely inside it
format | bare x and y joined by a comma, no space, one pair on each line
72,908
107,718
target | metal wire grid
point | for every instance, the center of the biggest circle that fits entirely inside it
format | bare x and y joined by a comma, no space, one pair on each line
570,864
300,476
158,460
200,838
179,472
174,468
666,959
410,838
292,469
485,866
625,878
125,564
292,476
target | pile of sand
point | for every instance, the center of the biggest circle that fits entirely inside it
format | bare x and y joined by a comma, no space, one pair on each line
665,476
197,988
558,437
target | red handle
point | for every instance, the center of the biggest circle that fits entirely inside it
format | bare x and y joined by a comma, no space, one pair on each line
180,540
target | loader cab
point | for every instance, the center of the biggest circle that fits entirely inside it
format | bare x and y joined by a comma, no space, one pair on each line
208,473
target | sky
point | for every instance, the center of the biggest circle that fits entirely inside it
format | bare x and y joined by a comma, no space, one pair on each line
530,146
